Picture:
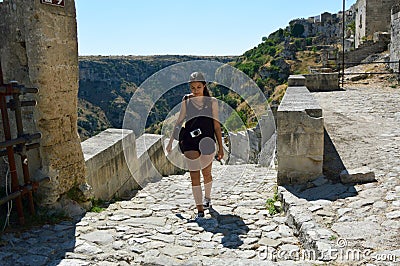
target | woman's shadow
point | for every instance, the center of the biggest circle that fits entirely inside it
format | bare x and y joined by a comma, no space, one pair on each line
229,225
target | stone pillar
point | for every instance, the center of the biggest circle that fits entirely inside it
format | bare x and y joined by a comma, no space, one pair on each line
39,48
300,135
324,57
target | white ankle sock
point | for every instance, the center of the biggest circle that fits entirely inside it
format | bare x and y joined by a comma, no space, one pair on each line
198,195
207,190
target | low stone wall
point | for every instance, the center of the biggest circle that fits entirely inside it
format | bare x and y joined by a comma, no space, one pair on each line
322,82
107,170
153,162
245,147
300,135
112,172
364,50
255,145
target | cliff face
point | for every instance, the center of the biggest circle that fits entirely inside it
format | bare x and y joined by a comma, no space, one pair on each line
106,84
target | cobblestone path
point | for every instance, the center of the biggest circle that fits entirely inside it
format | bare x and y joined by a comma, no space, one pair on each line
157,227
364,123
360,221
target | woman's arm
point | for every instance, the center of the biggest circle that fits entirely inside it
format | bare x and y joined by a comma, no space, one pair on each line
217,128
181,118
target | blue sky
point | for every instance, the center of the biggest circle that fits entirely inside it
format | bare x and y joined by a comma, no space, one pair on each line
207,27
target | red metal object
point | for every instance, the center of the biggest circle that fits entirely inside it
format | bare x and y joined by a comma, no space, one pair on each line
17,145
10,149
24,157
10,154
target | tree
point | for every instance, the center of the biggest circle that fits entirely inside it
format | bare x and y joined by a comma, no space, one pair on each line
297,30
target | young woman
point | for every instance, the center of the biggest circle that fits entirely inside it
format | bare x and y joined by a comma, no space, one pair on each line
200,111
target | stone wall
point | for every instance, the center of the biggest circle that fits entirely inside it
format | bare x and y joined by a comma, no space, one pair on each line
38,47
364,50
300,135
244,147
153,162
255,145
113,172
361,15
372,16
322,82
107,170
395,37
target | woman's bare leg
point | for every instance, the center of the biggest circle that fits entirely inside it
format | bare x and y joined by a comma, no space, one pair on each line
206,166
194,168
207,180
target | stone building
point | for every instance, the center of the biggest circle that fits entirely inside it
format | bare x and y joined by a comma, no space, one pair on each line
326,17
38,48
395,37
326,27
372,16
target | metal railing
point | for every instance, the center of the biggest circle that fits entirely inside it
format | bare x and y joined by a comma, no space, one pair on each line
343,73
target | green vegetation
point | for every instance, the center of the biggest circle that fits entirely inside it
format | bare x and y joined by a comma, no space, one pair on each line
352,26
270,204
332,238
75,194
297,30
98,206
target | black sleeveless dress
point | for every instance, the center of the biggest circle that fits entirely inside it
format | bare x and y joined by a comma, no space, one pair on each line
199,118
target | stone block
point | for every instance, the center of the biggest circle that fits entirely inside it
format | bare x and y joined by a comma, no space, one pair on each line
359,175
322,82
106,162
296,81
300,137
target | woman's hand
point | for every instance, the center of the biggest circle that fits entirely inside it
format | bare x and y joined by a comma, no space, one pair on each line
220,155
169,147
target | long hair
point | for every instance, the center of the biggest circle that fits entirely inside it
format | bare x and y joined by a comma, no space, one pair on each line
206,92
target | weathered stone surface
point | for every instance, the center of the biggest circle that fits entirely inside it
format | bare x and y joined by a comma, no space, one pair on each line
272,235
33,260
395,39
265,241
105,157
393,215
361,203
73,262
99,237
53,68
359,175
356,230
88,249
159,221
176,250
372,17
322,82
300,137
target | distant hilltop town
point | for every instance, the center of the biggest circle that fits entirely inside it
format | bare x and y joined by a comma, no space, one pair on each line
366,22
364,19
